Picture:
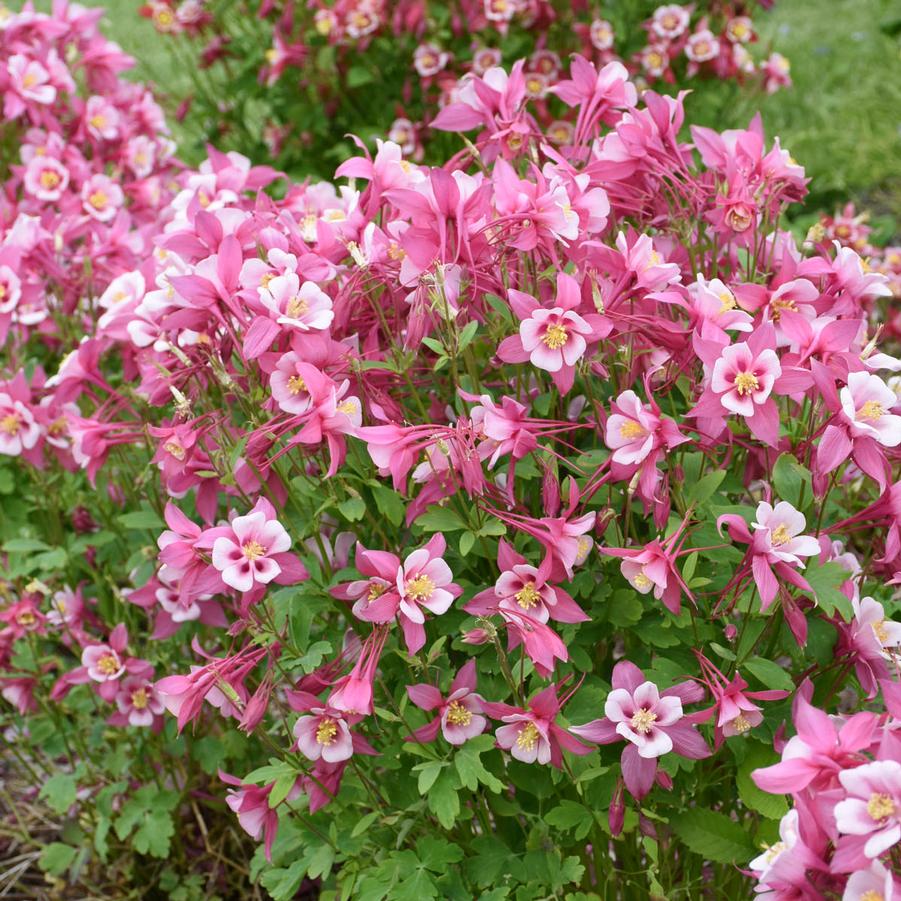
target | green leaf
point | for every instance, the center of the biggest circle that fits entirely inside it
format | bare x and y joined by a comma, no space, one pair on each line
774,807
492,857
283,884
440,519
825,580
789,477
714,836
59,792
443,799
467,540
357,76
141,519
56,858
472,771
705,487
428,773
153,834
364,823
770,674
390,504
568,815
437,853
467,334
353,508
321,862
23,545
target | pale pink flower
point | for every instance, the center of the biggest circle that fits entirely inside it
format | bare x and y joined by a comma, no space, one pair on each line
101,198
873,884
631,433
323,734
641,715
30,80
46,178
102,662
702,46
101,118
744,380
18,429
669,21
10,289
763,864
554,338
289,389
246,557
879,631
601,34
425,580
299,306
138,701
865,402
777,534
873,805
429,60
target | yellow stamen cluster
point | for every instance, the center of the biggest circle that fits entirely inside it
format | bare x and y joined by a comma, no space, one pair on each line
880,806
376,590
327,731
49,179
297,306
555,336
643,720
641,580
296,384
871,411
745,383
741,724
98,200
527,597
528,737
727,301
140,699
108,664
420,588
10,424
631,429
880,631
253,550
175,449
872,895
780,535
458,715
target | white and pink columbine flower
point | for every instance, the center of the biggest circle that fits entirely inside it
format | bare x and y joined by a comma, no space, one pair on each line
323,734
631,432
30,80
744,380
10,289
424,582
459,714
640,717
873,805
103,663
873,630
554,337
18,429
46,178
138,701
305,307
702,46
763,864
669,21
245,558
873,884
866,402
289,389
777,534
101,198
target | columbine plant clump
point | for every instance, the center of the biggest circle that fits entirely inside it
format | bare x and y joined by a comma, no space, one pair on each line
258,74
522,527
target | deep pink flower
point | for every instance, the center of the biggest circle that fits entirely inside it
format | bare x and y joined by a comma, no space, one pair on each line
459,714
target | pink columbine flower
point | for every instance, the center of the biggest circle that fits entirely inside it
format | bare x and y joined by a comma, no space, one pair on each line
249,555
138,701
532,734
101,198
304,307
870,639
872,884
523,589
651,722
10,289
866,401
46,178
552,339
30,80
634,430
669,21
289,389
872,810
424,581
18,429
702,46
601,34
744,379
324,734
459,714
102,662
778,534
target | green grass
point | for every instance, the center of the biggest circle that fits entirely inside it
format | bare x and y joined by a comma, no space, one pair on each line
842,118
